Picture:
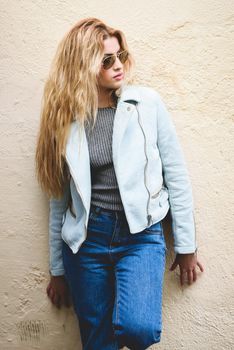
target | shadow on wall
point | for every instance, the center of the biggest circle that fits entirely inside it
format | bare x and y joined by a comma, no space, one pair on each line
167,229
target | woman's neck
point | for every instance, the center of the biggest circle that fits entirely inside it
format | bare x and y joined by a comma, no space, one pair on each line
107,100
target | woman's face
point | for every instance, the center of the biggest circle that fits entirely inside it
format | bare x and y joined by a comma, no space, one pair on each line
106,78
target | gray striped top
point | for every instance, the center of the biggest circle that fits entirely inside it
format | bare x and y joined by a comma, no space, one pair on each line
105,192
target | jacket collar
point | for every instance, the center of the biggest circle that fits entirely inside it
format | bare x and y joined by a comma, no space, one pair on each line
129,94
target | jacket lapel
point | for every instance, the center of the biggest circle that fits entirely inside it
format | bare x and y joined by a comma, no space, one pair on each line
77,156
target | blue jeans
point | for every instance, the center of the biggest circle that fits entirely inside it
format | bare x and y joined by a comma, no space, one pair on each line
116,282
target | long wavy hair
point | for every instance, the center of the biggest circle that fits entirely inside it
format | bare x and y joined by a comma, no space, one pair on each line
70,94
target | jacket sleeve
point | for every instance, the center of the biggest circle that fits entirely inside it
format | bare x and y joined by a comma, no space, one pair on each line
177,181
58,208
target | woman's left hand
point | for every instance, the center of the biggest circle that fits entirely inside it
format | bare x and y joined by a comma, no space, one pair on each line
187,264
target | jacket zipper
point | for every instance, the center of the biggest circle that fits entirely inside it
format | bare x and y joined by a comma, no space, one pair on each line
149,217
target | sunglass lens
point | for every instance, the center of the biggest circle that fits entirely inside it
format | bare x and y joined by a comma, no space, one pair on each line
123,56
108,62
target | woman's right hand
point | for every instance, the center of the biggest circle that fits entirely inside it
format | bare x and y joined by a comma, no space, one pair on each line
58,291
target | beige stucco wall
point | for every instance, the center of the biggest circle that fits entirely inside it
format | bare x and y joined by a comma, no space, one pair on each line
184,50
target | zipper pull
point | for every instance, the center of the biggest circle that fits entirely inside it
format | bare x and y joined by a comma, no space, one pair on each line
149,217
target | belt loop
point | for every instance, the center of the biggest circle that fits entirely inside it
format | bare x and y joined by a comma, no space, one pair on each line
116,215
97,209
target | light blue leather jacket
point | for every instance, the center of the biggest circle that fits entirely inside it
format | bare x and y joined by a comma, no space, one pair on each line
150,170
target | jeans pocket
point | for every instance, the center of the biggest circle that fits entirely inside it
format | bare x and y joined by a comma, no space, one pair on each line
95,217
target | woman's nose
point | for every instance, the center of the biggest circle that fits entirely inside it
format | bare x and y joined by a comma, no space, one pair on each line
117,63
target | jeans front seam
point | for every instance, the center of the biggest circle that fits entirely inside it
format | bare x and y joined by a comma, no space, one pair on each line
113,234
116,284
117,302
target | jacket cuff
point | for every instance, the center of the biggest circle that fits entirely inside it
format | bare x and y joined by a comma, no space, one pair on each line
185,250
57,272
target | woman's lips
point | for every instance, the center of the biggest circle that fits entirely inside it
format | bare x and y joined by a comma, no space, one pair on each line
119,77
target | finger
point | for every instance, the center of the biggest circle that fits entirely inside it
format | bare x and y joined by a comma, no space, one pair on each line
200,266
182,276
56,300
48,289
190,277
173,266
51,294
194,275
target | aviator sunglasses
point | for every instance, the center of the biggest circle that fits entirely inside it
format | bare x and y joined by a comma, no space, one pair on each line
109,60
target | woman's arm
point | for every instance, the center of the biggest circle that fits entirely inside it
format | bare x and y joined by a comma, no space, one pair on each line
177,180
180,195
58,208
57,289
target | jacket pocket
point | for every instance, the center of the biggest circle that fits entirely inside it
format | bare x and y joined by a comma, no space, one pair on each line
155,228
164,196
156,193
71,209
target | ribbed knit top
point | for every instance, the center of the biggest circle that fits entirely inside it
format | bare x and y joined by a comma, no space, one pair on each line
105,191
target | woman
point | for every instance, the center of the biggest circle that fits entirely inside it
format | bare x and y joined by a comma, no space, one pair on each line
109,159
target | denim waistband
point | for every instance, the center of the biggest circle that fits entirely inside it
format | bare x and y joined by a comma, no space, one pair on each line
115,213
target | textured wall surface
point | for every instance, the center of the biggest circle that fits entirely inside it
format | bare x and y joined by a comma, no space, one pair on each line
184,49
